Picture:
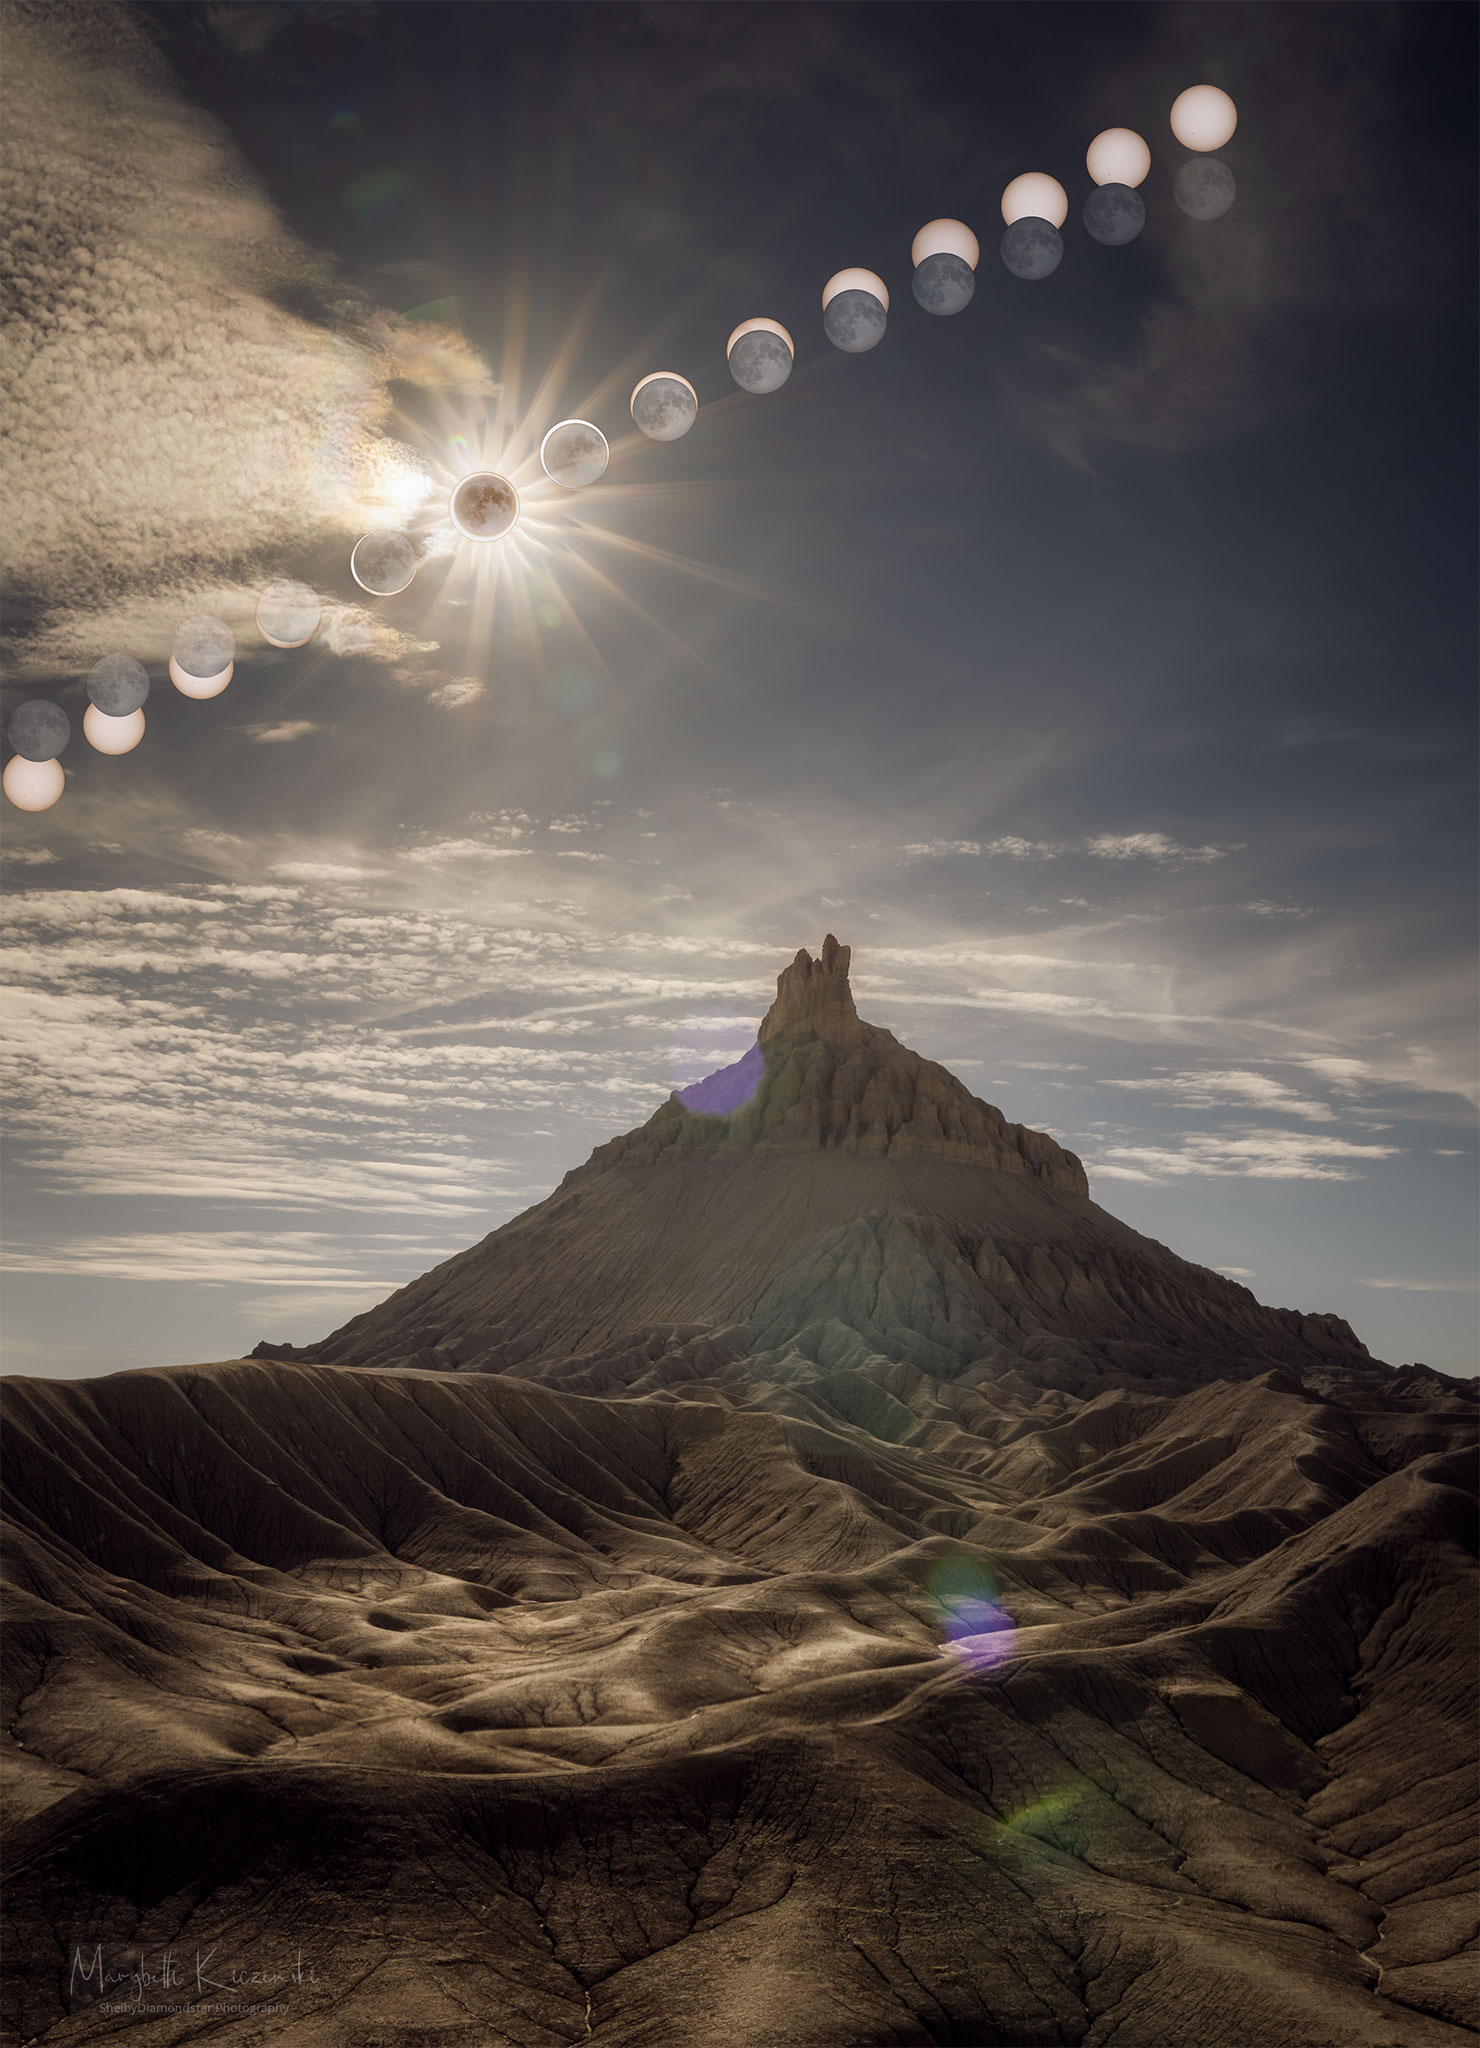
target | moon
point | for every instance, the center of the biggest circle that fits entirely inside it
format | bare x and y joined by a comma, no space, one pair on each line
484,506
574,453
760,354
383,563
855,310
1032,248
946,238
943,284
288,613
33,785
1203,117
664,405
202,657
1036,196
1114,215
112,735
1118,156
854,322
118,685
39,729
1204,188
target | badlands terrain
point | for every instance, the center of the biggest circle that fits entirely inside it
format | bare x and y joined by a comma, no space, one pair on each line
816,1581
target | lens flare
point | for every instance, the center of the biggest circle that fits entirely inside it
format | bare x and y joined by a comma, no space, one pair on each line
975,1626
728,1088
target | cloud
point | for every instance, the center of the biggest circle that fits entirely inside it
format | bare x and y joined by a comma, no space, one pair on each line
29,856
1264,909
1237,1272
1208,1087
350,630
1426,1286
462,690
441,851
1152,846
323,871
291,1258
289,729
1338,1068
152,360
1024,849
1256,1155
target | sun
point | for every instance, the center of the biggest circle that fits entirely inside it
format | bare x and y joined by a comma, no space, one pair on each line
484,505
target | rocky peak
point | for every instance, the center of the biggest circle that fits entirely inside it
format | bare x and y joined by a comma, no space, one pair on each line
817,1077
813,999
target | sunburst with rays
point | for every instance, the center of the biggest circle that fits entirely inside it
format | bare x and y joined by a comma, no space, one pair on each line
549,575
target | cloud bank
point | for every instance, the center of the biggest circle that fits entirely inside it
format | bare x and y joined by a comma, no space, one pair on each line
188,390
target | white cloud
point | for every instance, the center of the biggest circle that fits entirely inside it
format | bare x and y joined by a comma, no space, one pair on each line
352,632
150,356
1338,1068
440,851
212,1258
323,871
1255,1155
1208,1087
1024,849
461,690
1152,846
1426,1286
29,856
275,735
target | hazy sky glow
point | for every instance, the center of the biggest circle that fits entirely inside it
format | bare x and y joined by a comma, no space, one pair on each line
1098,663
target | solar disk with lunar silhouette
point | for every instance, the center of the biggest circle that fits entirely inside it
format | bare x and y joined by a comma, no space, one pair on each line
484,506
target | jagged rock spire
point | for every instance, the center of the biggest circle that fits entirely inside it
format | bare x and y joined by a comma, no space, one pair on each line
813,999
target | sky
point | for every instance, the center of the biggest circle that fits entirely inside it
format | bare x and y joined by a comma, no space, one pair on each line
1098,663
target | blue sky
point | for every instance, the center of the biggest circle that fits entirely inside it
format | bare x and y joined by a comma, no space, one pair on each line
1098,664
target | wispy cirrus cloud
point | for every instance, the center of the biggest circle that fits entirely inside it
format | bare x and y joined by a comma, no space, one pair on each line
1207,1088
274,1258
281,733
1469,1286
1251,1155
1156,847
